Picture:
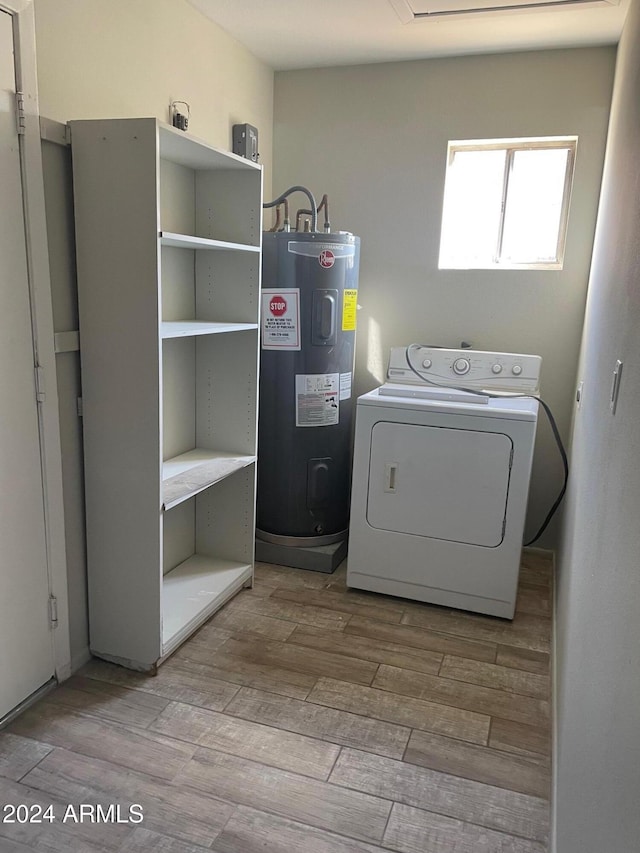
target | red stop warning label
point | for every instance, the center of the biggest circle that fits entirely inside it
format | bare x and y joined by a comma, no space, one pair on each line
278,305
327,258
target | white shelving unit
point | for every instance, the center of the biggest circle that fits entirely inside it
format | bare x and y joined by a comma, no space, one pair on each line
168,233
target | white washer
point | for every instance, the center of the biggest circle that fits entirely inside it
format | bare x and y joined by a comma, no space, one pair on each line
441,479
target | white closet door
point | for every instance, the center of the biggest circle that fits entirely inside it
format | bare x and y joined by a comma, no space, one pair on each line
26,650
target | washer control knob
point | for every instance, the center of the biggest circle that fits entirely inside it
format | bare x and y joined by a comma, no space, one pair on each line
427,363
461,366
516,369
497,368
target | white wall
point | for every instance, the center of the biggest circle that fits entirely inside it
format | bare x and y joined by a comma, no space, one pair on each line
597,793
125,58
121,58
375,138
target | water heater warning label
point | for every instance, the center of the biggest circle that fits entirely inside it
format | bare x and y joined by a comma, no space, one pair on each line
349,308
317,399
281,318
345,386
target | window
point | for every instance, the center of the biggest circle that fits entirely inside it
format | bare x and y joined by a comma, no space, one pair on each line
506,203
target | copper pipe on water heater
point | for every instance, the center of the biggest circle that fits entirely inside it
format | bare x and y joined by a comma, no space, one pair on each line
307,192
276,224
324,205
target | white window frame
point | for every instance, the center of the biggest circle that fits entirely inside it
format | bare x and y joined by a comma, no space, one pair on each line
511,146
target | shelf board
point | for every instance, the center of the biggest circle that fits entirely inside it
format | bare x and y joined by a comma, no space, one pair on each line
180,147
187,241
190,473
193,591
189,328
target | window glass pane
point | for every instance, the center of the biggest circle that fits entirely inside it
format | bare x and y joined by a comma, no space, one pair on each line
472,203
534,206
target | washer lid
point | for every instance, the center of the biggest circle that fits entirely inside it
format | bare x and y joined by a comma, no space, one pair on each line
451,400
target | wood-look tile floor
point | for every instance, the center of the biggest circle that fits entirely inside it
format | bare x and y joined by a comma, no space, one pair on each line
304,717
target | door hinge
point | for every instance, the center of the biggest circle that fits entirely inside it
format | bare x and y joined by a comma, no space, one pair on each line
79,407
53,611
40,391
20,114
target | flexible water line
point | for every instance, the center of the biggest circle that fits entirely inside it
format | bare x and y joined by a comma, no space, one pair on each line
290,191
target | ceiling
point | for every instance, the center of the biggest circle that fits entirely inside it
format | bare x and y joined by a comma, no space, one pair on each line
288,34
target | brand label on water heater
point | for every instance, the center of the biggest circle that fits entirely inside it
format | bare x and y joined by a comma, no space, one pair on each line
326,253
326,259
317,399
281,318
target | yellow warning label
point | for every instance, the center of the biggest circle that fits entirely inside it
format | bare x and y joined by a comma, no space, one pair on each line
349,308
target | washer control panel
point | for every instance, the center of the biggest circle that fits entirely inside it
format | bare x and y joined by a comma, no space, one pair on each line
465,368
